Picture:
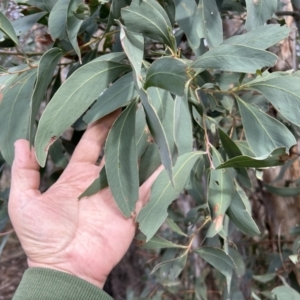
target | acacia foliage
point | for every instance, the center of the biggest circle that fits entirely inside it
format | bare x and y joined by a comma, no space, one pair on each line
203,116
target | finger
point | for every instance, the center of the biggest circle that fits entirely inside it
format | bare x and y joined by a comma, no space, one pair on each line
90,145
25,169
146,188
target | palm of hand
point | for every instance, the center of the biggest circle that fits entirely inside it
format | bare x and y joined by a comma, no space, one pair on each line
86,238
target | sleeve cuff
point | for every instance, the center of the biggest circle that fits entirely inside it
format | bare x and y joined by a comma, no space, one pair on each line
42,283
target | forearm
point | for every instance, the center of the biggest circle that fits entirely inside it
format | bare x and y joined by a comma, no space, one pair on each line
42,283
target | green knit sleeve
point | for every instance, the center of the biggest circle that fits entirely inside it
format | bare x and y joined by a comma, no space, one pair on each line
46,284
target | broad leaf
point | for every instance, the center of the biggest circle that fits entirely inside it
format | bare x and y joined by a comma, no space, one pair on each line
175,265
67,106
163,193
258,12
46,5
16,106
183,129
220,191
157,242
276,158
169,7
264,278
73,25
121,161
285,292
282,91
47,66
219,260
282,191
174,227
232,151
239,213
149,18
57,155
7,28
115,96
141,136
169,74
262,37
235,58
264,134
58,20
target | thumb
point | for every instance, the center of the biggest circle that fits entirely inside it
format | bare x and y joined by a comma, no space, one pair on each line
25,169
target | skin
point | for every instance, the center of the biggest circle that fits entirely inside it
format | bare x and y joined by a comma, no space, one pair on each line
85,238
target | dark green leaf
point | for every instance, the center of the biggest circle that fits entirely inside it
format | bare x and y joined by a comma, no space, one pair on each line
158,242
67,105
264,134
282,91
232,151
58,157
283,191
115,96
121,161
239,213
219,260
97,185
16,106
262,37
149,18
220,192
183,126
47,66
46,5
173,226
73,25
169,7
168,73
235,58
258,12
163,193
58,20
7,28
141,135
23,24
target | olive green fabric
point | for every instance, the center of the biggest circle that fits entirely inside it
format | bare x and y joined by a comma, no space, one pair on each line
43,284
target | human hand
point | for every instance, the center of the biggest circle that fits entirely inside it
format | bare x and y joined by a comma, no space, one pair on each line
85,238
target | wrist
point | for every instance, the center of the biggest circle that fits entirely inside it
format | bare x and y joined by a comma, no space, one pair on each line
99,281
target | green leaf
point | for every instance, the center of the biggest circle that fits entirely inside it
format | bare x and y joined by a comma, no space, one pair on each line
183,129
262,37
58,20
169,7
282,91
258,12
210,23
173,226
46,5
121,161
169,74
47,66
232,151
238,260
235,58
244,147
176,265
157,131
220,192
16,106
163,103
163,193
264,134
264,278
282,191
118,94
97,185
239,213
23,24
7,28
276,158
140,132
73,25
219,260
115,11
285,292
67,106
58,157
149,18
157,242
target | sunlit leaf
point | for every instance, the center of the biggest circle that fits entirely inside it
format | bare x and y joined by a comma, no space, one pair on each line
163,193
121,161
85,83
264,134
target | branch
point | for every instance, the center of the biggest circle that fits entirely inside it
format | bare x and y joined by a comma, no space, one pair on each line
294,14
